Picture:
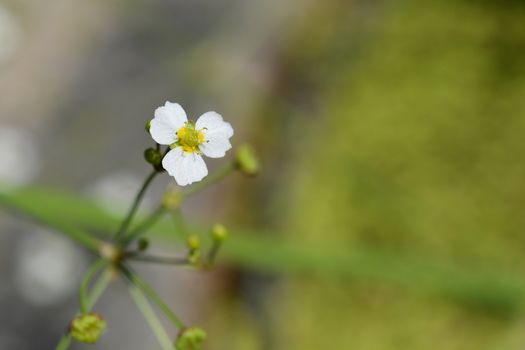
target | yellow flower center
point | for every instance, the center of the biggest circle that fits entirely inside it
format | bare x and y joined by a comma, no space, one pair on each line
189,138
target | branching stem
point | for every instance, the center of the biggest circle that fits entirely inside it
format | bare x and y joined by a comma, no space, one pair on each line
145,225
98,288
83,294
177,260
156,326
152,295
125,224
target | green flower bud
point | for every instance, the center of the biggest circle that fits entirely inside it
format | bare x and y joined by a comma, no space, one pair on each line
143,244
219,233
190,339
193,242
194,258
246,160
172,199
153,156
87,328
148,125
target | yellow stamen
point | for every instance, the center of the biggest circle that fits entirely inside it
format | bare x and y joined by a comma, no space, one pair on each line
189,138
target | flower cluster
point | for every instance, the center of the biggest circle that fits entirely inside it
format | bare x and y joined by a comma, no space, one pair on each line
185,143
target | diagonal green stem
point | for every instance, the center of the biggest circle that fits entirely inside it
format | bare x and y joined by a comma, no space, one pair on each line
177,260
152,295
127,220
91,272
99,287
216,176
143,305
145,225
64,342
160,211
212,254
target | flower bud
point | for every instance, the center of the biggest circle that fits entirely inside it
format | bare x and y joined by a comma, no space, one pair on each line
153,156
143,244
193,242
194,257
172,199
246,160
190,339
87,328
148,125
219,232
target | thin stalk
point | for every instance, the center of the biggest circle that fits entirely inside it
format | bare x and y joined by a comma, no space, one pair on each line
152,295
124,226
99,287
145,225
212,254
91,272
157,214
144,306
64,342
160,259
216,176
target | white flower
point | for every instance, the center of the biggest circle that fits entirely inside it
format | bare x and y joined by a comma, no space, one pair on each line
209,136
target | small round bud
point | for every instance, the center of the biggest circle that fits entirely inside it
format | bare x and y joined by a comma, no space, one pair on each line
190,339
246,160
172,199
148,125
153,156
194,258
143,244
219,233
87,328
193,242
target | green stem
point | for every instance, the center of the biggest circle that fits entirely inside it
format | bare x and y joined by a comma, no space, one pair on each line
157,214
64,342
143,305
145,225
93,269
124,226
77,235
160,259
216,176
100,285
152,295
212,254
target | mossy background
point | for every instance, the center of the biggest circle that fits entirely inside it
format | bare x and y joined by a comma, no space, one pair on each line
403,135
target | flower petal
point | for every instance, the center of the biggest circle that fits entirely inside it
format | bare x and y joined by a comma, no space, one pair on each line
213,122
185,167
168,119
215,146
216,133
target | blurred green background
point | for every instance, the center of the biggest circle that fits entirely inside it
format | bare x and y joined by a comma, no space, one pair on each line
388,214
